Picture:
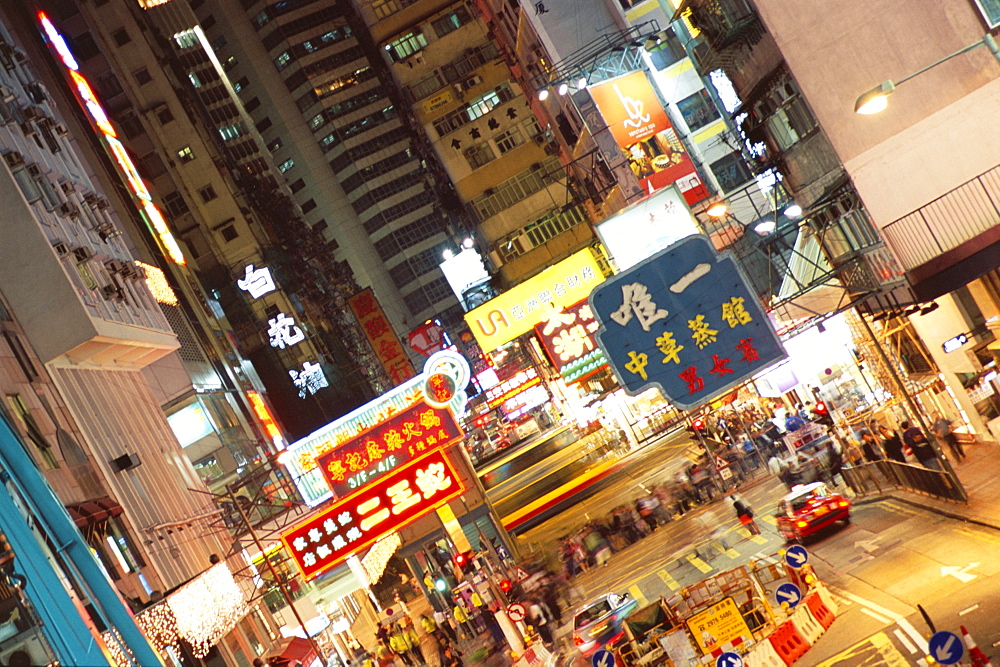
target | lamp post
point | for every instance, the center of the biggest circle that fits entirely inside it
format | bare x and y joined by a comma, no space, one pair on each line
876,99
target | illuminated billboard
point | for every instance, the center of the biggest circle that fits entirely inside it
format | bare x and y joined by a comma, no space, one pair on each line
568,339
395,441
379,333
520,308
353,524
641,128
646,227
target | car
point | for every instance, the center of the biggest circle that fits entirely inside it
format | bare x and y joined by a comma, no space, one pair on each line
599,622
810,508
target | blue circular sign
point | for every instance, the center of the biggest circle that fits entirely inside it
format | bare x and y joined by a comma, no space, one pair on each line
603,658
945,647
788,594
729,659
796,556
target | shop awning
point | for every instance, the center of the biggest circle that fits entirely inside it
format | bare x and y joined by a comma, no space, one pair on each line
290,651
94,511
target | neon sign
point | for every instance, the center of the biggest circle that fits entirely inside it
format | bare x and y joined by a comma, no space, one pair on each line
257,282
358,521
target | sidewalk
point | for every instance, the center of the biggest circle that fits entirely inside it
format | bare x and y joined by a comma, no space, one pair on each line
477,650
978,473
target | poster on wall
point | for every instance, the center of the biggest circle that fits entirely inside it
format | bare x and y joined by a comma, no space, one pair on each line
640,125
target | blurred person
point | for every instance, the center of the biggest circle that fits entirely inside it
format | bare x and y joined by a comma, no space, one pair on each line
892,444
744,514
943,430
444,625
916,439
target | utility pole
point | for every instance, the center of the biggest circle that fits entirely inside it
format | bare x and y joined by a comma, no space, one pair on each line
274,573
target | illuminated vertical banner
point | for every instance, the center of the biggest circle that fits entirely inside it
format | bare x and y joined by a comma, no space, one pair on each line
88,100
640,125
379,333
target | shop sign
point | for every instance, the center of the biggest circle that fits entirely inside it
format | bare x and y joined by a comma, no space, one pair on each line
429,337
310,379
568,338
438,101
351,525
659,220
498,395
955,343
399,439
717,625
256,282
640,126
520,308
283,332
379,333
685,321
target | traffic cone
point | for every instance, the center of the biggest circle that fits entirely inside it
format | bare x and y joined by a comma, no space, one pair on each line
979,659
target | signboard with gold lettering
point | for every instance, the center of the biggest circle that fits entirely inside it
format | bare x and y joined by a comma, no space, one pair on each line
720,623
379,333
568,339
520,308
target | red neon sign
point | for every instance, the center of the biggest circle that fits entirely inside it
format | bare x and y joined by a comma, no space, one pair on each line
358,521
407,434
263,414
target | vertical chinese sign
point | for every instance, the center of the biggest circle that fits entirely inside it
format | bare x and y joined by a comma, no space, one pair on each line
640,125
379,450
355,523
379,333
685,321
568,339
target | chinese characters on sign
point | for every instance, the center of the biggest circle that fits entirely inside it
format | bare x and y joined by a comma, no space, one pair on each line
496,396
520,308
257,282
379,333
283,332
407,434
685,321
310,379
568,338
719,624
350,525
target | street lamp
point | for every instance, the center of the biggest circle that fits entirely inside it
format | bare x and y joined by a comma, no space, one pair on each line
876,99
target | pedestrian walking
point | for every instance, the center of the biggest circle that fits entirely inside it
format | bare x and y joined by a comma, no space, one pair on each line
922,449
943,430
413,644
540,622
462,620
745,514
444,625
399,645
869,447
892,444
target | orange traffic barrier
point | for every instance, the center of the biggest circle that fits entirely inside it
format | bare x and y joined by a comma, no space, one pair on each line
819,611
788,643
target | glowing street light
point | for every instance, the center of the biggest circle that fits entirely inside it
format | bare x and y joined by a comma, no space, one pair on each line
717,210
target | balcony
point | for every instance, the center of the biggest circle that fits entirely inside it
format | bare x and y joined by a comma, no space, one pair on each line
951,240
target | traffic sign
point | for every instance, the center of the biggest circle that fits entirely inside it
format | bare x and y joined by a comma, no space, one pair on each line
729,659
520,574
720,462
796,556
945,647
502,552
788,594
685,321
517,612
603,658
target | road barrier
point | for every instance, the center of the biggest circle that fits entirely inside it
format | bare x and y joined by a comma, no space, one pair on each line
880,476
807,625
788,642
817,607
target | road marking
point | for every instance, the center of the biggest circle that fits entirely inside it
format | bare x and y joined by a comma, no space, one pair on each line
756,539
905,641
900,620
728,551
637,594
982,536
770,519
699,563
969,610
880,619
877,649
668,580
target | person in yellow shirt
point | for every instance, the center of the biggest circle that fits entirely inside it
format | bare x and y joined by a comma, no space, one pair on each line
462,619
399,645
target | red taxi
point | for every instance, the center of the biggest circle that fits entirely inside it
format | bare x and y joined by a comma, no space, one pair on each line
810,508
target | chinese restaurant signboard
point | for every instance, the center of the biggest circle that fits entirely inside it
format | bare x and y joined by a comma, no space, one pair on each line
685,321
379,333
568,338
511,387
640,125
520,308
353,524
399,439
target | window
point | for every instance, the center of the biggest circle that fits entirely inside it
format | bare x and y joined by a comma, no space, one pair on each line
241,84
32,431
479,155
185,39
451,21
509,140
320,226
990,9
286,165
668,50
234,131
219,42
229,232
163,115
261,19
21,355
121,37
275,145
698,110
175,204
731,172
316,121
208,22
193,78
185,154
785,114
417,302
282,61
252,104
207,193
142,76
264,124
297,185
515,189
406,46
309,206
84,47
473,110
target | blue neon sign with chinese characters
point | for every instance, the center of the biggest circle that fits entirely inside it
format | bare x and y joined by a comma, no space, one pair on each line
685,321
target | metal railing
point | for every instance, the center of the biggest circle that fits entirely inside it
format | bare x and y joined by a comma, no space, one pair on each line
880,476
945,223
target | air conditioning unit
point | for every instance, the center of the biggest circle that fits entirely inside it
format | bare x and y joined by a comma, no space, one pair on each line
418,58
34,171
68,187
62,249
103,203
129,270
114,266
83,254
69,210
110,292
14,159
125,462
61,130
32,113
539,138
91,199
6,94
472,81
28,130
